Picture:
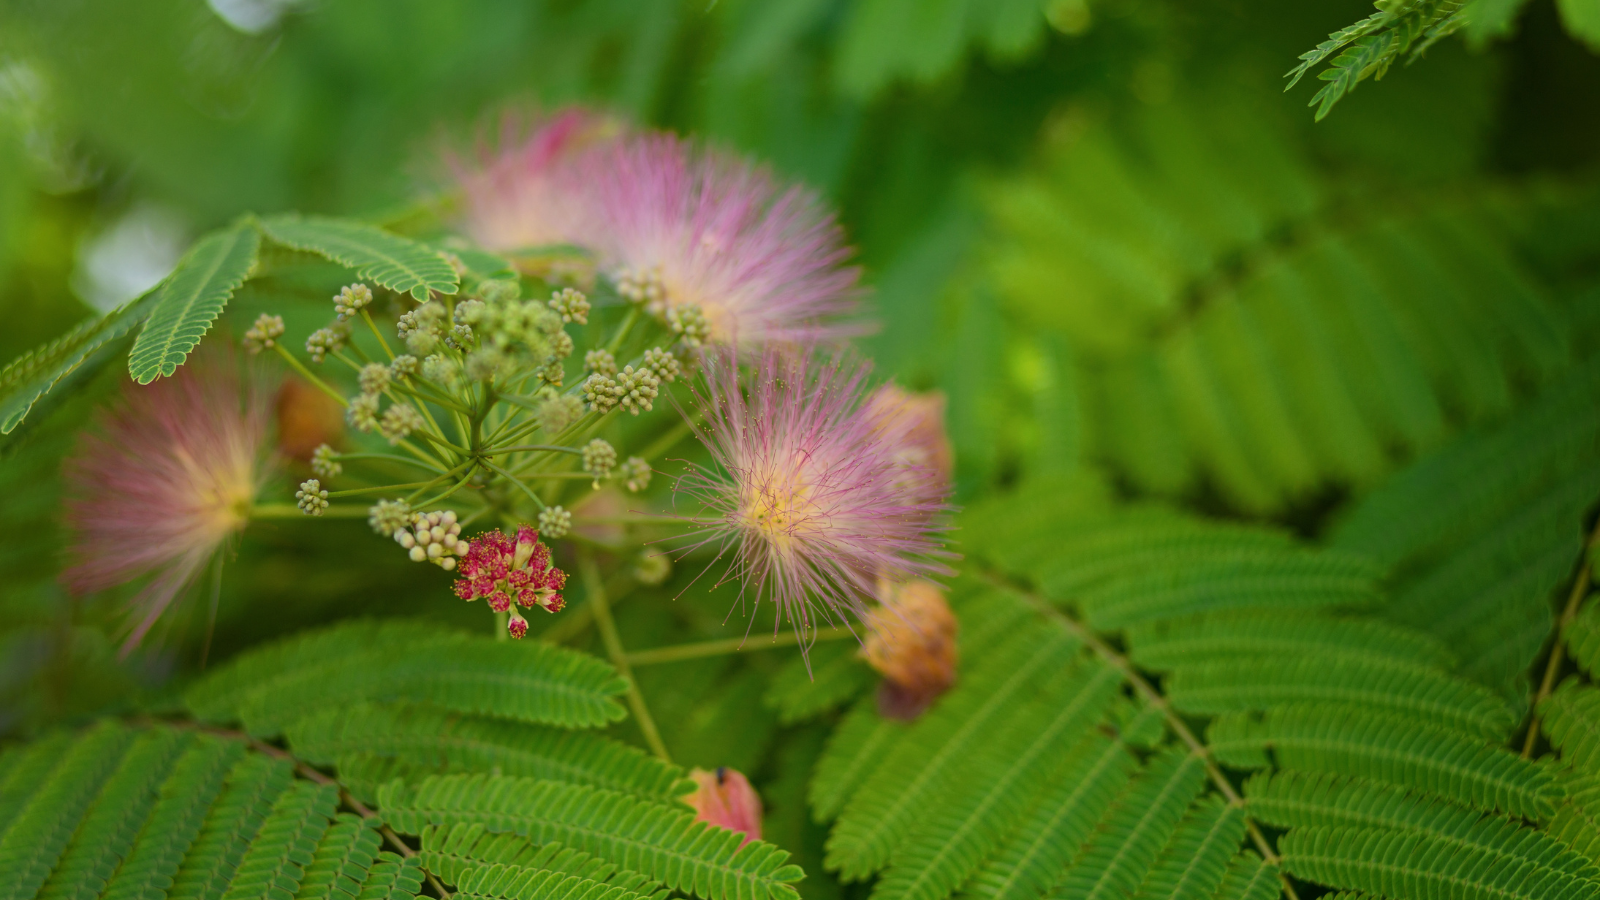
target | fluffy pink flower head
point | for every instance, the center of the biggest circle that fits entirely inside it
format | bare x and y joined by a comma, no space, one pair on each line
725,799
502,571
687,227
808,488
169,477
529,193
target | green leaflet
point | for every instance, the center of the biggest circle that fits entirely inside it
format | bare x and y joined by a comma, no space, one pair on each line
909,779
288,839
1058,821
661,842
31,376
1131,835
1293,799
1482,532
459,851
1572,720
1369,47
191,299
425,740
1231,333
397,263
343,855
1394,863
1387,748
157,812
107,833
273,686
35,841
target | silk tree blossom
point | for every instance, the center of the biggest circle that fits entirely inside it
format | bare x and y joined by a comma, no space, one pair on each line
530,193
170,476
502,570
807,488
686,229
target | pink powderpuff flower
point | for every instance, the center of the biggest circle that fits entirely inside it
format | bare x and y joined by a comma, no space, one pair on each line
808,490
725,799
683,226
502,570
169,478
530,193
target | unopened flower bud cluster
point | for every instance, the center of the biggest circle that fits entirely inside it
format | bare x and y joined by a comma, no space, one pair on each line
264,333
433,537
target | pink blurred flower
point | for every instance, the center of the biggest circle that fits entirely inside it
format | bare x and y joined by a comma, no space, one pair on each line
501,571
170,476
529,193
920,418
685,226
808,490
725,799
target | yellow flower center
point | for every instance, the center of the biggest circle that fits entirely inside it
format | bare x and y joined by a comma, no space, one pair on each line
780,510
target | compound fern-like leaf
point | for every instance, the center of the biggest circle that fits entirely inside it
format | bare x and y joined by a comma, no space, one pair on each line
529,682
191,299
661,842
397,263
427,740
27,379
1399,751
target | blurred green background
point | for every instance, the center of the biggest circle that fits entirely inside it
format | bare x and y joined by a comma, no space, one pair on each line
1099,226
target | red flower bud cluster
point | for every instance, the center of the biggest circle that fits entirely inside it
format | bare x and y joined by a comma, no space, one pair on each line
501,571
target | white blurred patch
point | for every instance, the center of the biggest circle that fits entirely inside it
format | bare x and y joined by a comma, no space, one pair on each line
250,16
130,256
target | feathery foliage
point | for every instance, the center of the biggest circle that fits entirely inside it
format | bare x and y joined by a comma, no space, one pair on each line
191,299
1238,324
139,813
399,264
269,689
1365,726
662,842
68,359
424,740
1483,532
454,853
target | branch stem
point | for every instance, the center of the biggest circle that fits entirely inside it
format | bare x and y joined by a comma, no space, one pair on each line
291,511
619,657
728,646
1580,589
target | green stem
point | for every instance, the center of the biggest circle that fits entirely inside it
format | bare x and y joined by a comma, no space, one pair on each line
530,448
383,489
307,374
640,520
518,482
623,329
447,494
367,317
430,397
619,657
390,457
291,511
728,646
1580,589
